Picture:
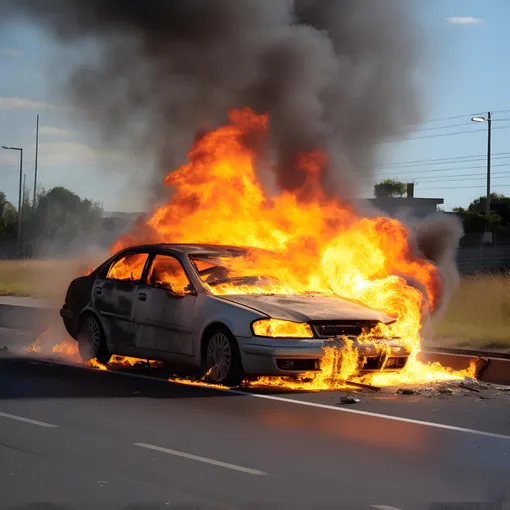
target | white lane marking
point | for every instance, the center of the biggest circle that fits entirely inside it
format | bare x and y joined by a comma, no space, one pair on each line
385,507
28,420
383,416
295,402
201,459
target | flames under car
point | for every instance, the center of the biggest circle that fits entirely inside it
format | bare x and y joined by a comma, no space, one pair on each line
201,306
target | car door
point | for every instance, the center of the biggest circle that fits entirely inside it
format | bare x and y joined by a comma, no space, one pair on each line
114,296
164,308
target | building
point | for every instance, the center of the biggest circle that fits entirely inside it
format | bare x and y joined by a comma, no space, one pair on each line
409,206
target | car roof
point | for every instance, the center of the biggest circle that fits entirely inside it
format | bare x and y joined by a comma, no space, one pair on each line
195,249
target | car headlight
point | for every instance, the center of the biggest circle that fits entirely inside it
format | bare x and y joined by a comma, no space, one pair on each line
277,328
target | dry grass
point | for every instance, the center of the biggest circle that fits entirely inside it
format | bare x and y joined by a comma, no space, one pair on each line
478,314
38,278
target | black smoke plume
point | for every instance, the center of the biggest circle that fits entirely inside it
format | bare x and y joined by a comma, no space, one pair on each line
332,74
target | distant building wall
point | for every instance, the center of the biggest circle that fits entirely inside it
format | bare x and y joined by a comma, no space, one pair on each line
410,206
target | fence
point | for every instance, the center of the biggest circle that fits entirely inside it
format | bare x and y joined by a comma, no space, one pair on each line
473,259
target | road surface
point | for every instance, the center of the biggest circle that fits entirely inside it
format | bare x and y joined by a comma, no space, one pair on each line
79,438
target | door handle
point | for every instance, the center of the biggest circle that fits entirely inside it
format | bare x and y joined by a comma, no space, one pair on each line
142,296
99,291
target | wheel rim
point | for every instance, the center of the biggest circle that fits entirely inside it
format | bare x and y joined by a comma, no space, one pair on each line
94,335
219,357
91,337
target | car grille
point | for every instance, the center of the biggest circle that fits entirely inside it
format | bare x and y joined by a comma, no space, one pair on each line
328,329
392,363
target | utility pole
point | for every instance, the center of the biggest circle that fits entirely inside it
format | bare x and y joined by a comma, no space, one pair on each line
36,157
488,203
20,205
24,188
489,126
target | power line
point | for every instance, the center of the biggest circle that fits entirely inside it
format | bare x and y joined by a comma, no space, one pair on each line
461,187
435,136
440,127
468,115
434,161
462,177
434,170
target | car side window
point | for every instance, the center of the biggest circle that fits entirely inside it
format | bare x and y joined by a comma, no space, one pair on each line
128,268
166,272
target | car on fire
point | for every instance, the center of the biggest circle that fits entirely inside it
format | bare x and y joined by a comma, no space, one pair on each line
158,302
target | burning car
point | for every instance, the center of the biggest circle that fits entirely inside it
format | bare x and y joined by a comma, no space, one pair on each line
204,306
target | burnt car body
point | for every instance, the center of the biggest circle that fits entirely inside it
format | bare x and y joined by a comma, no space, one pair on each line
163,308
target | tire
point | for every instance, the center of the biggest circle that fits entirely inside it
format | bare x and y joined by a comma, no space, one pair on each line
222,360
92,341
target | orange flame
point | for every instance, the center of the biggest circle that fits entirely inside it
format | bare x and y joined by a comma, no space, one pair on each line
318,243
69,347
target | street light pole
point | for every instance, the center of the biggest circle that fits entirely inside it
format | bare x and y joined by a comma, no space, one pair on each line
489,126
488,202
36,158
20,184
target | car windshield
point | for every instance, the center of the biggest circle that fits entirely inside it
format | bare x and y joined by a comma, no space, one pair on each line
237,273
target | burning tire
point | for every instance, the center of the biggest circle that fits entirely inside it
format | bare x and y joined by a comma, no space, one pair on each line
222,360
91,340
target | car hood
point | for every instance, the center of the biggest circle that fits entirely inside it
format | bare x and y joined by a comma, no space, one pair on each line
309,308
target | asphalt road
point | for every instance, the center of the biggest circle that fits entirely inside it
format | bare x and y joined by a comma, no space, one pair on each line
78,438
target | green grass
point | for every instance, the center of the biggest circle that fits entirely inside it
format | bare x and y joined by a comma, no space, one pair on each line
37,278
478,315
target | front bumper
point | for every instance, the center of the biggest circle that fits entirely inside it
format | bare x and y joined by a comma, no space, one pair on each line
268,356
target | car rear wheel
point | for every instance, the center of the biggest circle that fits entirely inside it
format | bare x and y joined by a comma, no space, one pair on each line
91,340
222,359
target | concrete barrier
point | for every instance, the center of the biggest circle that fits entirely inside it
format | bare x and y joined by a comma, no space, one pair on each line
497,371
27,314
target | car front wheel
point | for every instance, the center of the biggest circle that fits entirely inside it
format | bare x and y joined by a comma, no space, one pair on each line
91,340
222,359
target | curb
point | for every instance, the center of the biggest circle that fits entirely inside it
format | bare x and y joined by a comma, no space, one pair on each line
26,317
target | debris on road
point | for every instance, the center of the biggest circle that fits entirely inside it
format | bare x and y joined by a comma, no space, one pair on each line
468,387
446,391
363,385
349,400
407,391
4,348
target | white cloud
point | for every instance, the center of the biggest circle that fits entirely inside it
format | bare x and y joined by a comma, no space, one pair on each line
12,53
464,20
21,103
50,131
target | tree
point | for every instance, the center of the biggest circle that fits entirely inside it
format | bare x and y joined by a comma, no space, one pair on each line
475,222
390,188
60,215
478,205
8,218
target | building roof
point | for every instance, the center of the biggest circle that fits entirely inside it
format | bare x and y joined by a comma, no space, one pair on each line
407,201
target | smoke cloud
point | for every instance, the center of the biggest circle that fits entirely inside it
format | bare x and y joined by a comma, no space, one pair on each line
336,75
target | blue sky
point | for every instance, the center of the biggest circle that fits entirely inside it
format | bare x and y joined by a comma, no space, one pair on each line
468,74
